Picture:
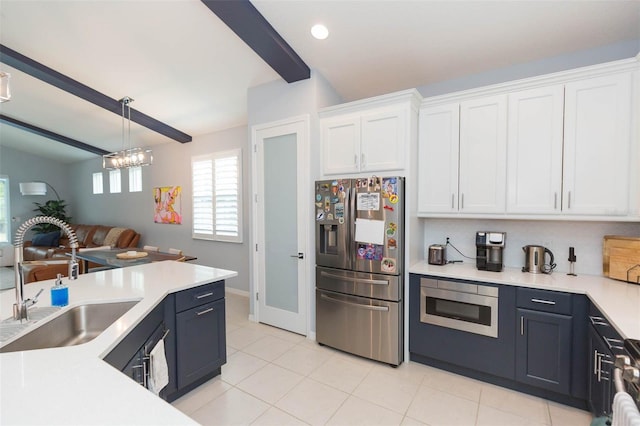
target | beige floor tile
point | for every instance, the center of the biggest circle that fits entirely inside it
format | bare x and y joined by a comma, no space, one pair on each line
201,395
388,390
437,408
233,407
302,359
268,347
275,417
242,337
356,411
530,407
341,373
408,421
270,383
240,366
563,415
454,384
285,335
312,402
489,416
411,371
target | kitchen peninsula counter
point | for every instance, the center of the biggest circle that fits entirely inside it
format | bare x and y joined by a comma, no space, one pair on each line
617,300
73,385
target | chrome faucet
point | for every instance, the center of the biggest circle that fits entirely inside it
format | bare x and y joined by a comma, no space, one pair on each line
20,308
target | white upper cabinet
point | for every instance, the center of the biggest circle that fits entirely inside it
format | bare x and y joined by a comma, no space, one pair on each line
438,147
562,146
341,142
597,146
483,155
383,140
534,149
371,135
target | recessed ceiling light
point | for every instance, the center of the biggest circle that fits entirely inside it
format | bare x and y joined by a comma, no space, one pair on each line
319,31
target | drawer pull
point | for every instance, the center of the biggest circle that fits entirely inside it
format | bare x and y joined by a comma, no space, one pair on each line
598,321
546,302
617,343
202,296
206,311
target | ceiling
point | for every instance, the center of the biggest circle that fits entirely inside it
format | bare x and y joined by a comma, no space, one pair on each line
183,66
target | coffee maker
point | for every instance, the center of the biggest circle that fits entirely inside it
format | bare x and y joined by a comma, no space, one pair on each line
489,247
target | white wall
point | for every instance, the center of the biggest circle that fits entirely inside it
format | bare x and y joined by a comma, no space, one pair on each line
172,166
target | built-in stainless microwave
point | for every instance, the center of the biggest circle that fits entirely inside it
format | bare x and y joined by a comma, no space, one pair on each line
462,306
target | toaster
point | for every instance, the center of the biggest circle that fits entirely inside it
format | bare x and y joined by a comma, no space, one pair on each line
437,254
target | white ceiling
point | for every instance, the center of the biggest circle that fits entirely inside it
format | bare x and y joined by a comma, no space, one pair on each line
184,67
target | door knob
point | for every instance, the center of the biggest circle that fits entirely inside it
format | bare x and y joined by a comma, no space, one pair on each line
299,255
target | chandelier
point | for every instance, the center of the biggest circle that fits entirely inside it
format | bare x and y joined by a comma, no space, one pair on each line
127,157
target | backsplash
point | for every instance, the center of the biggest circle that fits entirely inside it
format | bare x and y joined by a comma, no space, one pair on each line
557,236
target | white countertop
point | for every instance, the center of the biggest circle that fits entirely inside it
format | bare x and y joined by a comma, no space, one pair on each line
73,385
619,301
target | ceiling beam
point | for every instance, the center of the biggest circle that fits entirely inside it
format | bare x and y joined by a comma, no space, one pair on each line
51,135
249,24
61,81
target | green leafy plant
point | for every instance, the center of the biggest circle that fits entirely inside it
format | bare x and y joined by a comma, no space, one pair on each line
53,208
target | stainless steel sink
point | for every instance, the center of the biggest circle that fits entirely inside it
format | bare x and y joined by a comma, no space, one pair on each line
78,325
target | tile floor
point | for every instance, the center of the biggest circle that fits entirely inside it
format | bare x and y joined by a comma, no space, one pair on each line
273,377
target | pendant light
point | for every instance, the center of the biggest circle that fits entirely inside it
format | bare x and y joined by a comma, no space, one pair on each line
127,157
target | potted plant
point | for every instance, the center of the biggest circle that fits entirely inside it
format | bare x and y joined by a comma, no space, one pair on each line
53,208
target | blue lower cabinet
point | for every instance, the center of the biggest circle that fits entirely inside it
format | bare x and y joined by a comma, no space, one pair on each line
543,350
201,348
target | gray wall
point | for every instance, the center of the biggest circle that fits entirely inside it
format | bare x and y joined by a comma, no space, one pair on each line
582,58
278,101
172,166
23,167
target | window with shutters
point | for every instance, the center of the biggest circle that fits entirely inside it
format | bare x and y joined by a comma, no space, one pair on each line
217,196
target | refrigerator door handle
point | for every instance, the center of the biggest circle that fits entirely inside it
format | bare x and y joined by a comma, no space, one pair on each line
354,279
357,305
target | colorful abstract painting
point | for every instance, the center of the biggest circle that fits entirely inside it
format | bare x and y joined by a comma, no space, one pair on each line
168,204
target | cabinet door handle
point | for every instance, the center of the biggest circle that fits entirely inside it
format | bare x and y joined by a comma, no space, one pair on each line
569,200
206,311
202,296
595,362
461,201
555,200
452,201
355,160
545,302
522,325
599,368
363,163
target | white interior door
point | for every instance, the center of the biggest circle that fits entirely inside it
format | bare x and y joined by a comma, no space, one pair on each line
281,224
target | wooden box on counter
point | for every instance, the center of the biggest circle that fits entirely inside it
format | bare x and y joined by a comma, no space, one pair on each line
621,258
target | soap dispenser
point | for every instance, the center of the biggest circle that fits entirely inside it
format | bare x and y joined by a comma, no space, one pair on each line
59,293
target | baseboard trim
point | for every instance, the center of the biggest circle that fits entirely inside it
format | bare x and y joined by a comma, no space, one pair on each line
236,291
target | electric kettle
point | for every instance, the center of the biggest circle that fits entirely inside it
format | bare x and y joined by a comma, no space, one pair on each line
535,260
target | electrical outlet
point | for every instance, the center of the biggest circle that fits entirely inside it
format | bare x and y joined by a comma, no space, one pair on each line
447,240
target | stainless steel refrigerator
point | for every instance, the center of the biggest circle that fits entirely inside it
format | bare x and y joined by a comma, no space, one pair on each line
359,266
